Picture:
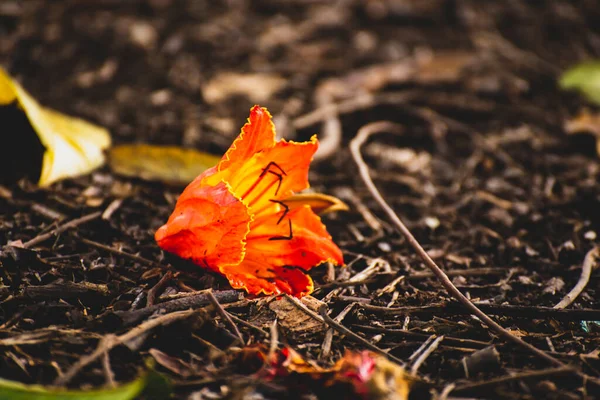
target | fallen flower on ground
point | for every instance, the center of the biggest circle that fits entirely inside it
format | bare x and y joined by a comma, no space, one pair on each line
232,219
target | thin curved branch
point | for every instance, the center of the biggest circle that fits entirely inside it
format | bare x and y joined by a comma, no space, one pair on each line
589,262
355,145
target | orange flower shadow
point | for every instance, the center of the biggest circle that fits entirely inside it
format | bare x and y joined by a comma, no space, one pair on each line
232,219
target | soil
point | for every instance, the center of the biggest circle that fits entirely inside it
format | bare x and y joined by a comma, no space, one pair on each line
483,174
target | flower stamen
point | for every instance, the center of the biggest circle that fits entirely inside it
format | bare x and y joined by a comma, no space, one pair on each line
285,211
279,174
289,237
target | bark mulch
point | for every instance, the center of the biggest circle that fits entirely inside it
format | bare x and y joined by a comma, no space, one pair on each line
477,165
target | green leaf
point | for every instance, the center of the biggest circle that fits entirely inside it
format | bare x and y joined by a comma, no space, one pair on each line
584,77
11,390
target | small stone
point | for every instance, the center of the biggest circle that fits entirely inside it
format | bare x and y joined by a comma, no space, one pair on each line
384,246
160,97
590,235
143,34
432,222
513,242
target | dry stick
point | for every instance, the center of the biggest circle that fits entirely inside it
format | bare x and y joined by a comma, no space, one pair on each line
199,300
345,331
589,263
455,308
415,367
108,372
248,324
71,224
158,287
326,347
355,145
118,252
523,375
421,348
326,319
300,306
225,315
110,341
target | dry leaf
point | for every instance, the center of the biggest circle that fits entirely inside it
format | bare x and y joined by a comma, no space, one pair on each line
257,87
320,203
169,164
72,146
295,320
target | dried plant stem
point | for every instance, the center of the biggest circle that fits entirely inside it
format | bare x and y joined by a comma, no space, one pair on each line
355,145
357,338
108,342
71,224
589,262
225,315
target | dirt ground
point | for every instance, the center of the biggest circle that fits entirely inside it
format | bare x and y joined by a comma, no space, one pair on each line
483,174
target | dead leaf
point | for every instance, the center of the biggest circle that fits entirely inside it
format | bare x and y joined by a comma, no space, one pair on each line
72,146
291,318
171,164
554,285
585,122
173,364
256,87
320,203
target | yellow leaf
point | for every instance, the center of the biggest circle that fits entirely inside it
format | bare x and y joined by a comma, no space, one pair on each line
72,146
320,203
169,164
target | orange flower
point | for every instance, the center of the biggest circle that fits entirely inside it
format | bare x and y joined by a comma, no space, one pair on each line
232,219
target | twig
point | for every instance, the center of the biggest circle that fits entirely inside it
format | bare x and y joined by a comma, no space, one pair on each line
248,324
134,316
118,252
589,263
108,372
60,229
112,207
110,341
422,347
510,378
300,306
454,308
274,342
60,289
326,347
225,315
403,333
421,359
158,287
345,331
355,145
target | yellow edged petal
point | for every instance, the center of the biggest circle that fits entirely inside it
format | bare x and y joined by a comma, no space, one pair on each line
73,146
